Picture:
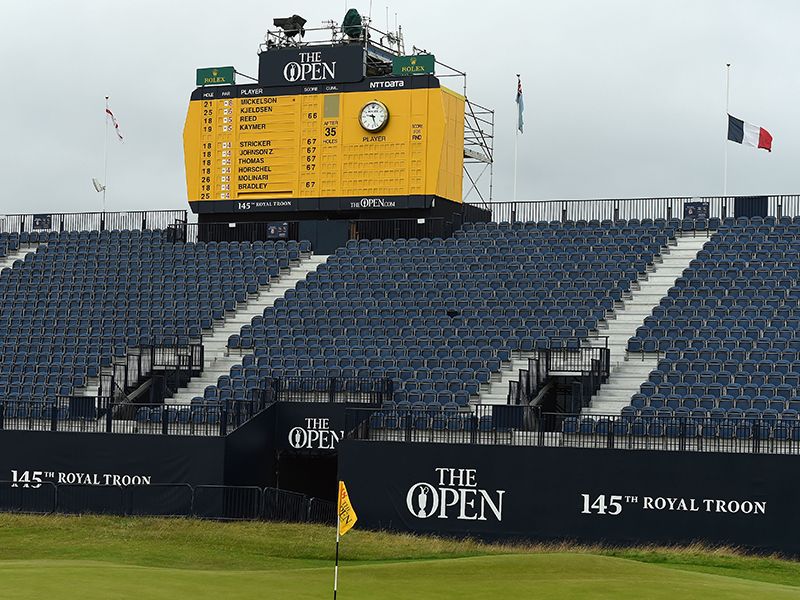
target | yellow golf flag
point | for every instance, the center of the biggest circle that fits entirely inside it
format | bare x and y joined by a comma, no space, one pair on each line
347,515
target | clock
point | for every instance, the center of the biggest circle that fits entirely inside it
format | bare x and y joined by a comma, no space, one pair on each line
374,116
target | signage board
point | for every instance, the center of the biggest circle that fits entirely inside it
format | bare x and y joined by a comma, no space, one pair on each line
216,76
311,65
616,497
417,64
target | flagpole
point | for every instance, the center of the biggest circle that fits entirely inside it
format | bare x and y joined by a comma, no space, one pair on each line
727,112
516,140
105,159
516,145
336,567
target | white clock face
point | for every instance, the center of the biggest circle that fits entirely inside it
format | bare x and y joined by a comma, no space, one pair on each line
374,116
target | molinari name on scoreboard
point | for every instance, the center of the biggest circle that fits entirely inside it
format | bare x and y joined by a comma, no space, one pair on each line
315,133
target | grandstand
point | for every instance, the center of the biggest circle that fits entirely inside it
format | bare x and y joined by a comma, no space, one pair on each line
447,323
649,333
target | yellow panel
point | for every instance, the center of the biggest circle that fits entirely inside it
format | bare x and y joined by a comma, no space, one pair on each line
452,159
313,146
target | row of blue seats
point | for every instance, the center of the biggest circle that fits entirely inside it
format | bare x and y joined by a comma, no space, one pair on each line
322,369
749,324
681,345
779,403
654,427
439,420
409,307
678,385
770,365
721,312
714,389
33,410
208,415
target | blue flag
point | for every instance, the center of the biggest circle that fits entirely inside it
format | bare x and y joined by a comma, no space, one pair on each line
520,104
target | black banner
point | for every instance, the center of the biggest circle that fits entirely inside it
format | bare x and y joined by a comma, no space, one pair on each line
94,459
593,496
311,65
313,204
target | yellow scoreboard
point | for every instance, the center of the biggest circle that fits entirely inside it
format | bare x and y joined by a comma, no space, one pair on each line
382,142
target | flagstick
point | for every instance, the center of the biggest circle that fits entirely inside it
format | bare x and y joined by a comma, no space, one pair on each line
727,119
105,159
336,568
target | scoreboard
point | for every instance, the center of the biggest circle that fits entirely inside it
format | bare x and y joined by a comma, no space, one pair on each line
295,144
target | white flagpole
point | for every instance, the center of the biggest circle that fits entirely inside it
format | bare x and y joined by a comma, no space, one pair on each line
105,159
516,145
727,120
336,567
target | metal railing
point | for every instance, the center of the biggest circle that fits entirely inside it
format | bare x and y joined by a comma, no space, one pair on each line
591,365
170,367
91,221
34,495
329,389
395,229
530,383
233,232
215,416
86,414
615,209
530,426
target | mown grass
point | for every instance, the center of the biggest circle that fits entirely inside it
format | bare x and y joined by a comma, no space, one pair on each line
109,557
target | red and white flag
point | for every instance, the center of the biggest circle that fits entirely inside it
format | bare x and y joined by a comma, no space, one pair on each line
115,122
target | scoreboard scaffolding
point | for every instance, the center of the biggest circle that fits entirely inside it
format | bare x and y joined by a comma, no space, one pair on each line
326,128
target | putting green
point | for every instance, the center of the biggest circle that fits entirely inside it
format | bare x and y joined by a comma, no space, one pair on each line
87,558
561,576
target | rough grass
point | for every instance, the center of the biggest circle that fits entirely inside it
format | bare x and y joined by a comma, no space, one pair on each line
112,557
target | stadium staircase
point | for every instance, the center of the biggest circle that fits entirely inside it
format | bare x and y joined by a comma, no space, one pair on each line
217,360
626,375
628,372
496,391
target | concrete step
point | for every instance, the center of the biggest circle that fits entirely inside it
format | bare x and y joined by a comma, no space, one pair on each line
218,358
9,259
628,373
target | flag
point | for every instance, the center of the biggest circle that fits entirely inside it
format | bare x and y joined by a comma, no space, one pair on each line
748,134
115,122
520,104
347,515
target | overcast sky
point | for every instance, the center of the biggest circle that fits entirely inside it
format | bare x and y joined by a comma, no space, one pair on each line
623,98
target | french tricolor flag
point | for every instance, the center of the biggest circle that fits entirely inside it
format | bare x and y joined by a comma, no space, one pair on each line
746,133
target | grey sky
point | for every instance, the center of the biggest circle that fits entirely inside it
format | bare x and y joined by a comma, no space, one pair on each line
623,98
